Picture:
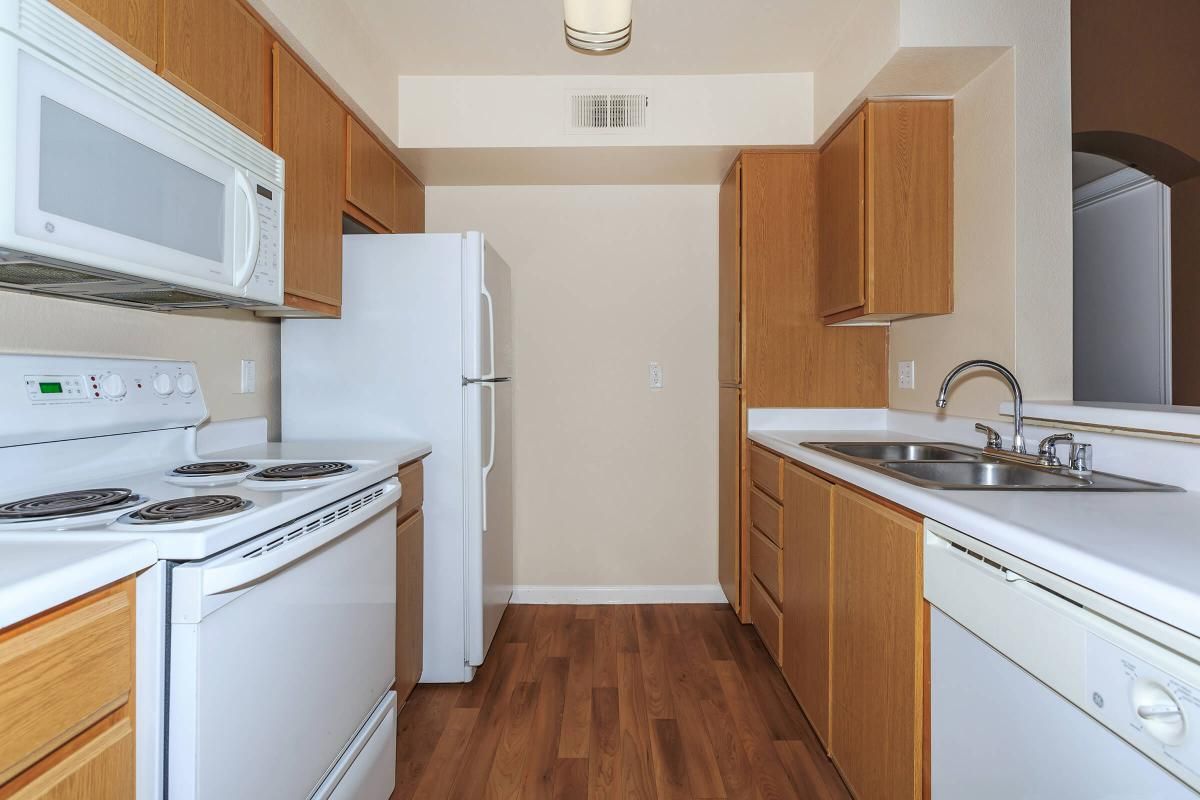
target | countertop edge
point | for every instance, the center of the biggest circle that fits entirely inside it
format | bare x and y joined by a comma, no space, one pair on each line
26,598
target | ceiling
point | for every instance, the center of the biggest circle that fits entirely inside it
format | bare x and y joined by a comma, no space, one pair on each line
670,37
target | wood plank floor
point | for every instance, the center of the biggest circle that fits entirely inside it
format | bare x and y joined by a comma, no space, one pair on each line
665,701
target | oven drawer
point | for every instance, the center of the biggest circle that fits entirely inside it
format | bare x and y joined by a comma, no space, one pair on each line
367,770
282,667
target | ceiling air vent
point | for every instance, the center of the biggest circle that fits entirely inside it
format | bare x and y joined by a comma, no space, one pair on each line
607,112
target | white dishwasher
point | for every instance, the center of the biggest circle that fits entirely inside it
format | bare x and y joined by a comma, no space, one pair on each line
1044,690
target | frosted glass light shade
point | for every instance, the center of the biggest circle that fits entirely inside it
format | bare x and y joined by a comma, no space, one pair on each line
598,26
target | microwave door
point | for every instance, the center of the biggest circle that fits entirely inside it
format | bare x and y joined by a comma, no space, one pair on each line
97,177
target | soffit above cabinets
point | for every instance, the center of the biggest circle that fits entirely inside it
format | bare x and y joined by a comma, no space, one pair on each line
671,37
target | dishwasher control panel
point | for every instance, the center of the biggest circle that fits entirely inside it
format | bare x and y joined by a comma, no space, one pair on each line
1146,705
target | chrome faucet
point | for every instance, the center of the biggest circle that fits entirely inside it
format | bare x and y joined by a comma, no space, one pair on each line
1018,440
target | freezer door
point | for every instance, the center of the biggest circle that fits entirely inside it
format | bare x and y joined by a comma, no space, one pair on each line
487,311
490,530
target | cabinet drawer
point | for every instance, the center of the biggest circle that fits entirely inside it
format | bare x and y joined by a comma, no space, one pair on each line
766,515
97,765
63,671
412,490
766,562
766,471
768,620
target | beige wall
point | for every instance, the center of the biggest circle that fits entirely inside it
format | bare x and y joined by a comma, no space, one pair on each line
983,321
615,484
216,341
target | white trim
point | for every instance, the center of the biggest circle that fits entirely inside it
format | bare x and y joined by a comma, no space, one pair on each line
595,595
1138,419
1119,182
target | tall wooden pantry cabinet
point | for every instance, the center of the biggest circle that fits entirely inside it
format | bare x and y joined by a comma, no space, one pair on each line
774,350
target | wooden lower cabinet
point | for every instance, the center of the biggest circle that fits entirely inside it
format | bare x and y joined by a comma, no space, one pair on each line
729,494
878,627
410,588
66,710
806,565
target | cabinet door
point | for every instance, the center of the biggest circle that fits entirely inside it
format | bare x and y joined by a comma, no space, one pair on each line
370,173
806,563
878,634
410,201
729,494
729,323
131,25
410,590
309,130
841,275
216,50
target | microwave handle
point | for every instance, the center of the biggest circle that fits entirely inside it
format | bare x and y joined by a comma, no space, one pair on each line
242,277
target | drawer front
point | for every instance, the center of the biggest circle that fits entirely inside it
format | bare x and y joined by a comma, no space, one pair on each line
768,620
767,516
766,471
766,562
97,765
62,672
412,490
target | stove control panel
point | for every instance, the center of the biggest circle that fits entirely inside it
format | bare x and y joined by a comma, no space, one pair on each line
48,398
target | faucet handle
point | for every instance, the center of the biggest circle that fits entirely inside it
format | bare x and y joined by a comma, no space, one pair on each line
993,436
1081,458
1048,448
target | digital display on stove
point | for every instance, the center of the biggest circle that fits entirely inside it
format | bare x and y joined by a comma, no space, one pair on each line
50,388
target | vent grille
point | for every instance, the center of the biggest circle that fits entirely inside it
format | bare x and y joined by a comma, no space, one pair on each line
311,524
55,32
608,112
27,273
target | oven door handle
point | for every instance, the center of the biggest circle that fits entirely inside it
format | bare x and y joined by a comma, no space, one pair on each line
242,569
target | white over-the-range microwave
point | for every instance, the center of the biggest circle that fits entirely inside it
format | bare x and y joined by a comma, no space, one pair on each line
117,187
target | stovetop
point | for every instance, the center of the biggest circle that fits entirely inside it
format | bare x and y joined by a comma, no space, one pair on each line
188,516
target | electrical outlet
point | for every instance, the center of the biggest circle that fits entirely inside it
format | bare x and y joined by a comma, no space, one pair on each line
248,377
906,374
656,375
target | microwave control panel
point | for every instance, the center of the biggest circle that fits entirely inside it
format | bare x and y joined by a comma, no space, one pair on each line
267,274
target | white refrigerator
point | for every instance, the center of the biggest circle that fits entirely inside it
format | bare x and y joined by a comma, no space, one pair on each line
424,349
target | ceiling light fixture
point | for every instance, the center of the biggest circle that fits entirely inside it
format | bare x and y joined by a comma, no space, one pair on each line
598,26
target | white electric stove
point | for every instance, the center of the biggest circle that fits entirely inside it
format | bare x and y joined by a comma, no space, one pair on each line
266,633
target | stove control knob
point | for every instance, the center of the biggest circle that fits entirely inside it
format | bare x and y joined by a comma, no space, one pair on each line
113,386
163,385
186,385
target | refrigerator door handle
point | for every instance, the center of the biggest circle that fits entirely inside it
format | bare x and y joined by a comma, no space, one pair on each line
491,370
491,459
469,381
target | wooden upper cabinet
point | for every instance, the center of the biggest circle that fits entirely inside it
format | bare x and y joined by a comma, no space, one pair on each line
216,51
878,623
886,214
841,280
309,132
370,175
806,560
729,254
131,25
410,201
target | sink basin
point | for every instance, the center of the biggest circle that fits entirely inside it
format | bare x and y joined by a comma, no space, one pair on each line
903,451
945,465
985,475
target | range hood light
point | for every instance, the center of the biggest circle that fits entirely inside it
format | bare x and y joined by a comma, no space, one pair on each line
598,26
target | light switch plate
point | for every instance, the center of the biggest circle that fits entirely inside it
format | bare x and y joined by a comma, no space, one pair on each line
248,377
656,375
906,374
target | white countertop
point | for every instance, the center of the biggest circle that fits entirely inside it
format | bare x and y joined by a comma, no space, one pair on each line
39,572
1140,549
400,451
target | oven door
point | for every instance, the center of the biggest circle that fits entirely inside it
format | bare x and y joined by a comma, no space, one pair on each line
105,185
280,650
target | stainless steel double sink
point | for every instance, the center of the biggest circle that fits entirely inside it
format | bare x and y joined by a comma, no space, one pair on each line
944,465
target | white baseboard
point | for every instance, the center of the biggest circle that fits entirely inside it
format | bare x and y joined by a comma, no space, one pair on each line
596,595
